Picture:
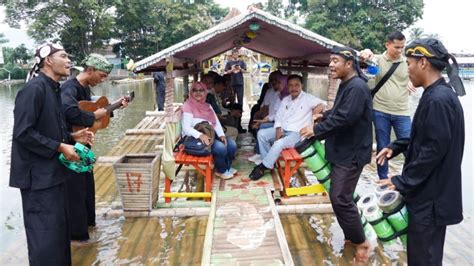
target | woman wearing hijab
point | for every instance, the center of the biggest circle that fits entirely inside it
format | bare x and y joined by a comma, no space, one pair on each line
196,110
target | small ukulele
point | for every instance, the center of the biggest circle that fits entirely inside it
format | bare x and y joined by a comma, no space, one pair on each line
101,102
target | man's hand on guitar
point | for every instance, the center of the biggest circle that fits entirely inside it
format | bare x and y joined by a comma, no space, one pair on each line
100,113
68,151
83,136
125,101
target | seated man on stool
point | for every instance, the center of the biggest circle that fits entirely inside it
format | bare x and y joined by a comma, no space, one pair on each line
294,113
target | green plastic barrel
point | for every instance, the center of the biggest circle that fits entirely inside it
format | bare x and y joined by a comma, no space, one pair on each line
392,202
382,227
313,160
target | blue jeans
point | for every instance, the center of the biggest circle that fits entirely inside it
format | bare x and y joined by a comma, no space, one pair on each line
383,123
271,149
262,126
223,155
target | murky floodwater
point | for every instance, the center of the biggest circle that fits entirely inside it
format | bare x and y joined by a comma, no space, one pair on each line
109,231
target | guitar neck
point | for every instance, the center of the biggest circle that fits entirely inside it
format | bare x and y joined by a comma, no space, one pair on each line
117,104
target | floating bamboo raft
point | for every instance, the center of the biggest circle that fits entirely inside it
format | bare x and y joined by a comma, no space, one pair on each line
244,228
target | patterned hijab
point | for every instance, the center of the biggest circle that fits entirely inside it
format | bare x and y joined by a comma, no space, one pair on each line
41,53
199,109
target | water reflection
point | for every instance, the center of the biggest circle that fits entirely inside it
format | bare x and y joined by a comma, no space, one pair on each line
173,239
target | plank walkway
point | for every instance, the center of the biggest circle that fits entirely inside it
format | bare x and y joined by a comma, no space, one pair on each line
312,239
244,229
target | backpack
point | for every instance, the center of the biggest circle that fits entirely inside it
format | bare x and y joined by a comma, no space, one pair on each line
195,146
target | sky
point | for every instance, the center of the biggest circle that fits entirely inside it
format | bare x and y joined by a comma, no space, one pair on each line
450,21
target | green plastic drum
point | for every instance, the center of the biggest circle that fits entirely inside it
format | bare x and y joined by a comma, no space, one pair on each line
313,160
320,148
382,228
389,202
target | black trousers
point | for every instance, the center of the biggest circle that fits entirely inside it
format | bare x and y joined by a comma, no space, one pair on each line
343,184
90,198
425,243
239,91
46,225
76,193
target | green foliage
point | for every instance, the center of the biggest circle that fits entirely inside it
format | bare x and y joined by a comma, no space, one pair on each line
16,60
81,26
142,27
359,24
418,33
15,72
154,25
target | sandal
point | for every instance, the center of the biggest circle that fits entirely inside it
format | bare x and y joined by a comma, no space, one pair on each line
257,172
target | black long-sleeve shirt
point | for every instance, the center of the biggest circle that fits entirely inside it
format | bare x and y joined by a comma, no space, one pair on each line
431,176
71,93
39,128
347,127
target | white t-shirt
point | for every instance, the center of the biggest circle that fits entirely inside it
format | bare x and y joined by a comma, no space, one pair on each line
272,100
294,114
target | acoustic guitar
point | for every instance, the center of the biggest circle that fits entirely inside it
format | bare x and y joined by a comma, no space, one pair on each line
101,102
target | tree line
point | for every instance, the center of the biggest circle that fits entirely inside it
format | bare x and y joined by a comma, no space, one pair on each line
139,28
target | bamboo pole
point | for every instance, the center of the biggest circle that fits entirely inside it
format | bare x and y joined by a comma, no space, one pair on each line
204,211
148,131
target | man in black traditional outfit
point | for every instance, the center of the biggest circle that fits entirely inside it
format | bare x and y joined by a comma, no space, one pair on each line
431,177
81,188
347,128
39,136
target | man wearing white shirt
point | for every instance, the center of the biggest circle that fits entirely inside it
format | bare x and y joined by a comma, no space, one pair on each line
272,101
294,113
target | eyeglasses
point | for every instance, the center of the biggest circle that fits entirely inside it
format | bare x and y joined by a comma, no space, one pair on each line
197,90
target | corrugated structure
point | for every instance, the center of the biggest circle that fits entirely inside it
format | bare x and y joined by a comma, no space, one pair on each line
275,37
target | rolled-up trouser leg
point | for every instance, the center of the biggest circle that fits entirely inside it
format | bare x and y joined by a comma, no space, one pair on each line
343,184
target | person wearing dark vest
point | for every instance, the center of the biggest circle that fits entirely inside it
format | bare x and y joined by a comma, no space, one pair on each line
39,136
390,102
431,177
347,129
81,188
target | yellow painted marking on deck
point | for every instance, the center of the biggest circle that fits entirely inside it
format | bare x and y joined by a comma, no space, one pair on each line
313,189
188,195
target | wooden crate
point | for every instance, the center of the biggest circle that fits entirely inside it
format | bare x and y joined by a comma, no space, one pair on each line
137,177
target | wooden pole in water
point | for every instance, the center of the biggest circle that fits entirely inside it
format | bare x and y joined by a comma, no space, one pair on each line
169,96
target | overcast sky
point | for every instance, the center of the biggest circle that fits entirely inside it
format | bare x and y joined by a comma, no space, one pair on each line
452,22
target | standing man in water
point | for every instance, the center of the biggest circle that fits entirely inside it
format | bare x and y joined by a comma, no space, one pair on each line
81,187
39,137
431,177
347,128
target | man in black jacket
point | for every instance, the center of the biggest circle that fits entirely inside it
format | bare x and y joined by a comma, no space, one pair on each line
81,187
431,176
347,128
39,136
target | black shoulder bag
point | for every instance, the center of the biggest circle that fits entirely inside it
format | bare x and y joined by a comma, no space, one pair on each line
385,78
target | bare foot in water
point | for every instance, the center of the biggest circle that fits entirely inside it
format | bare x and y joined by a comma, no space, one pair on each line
362,252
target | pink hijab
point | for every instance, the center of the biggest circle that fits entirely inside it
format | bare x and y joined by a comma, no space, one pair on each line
199,109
